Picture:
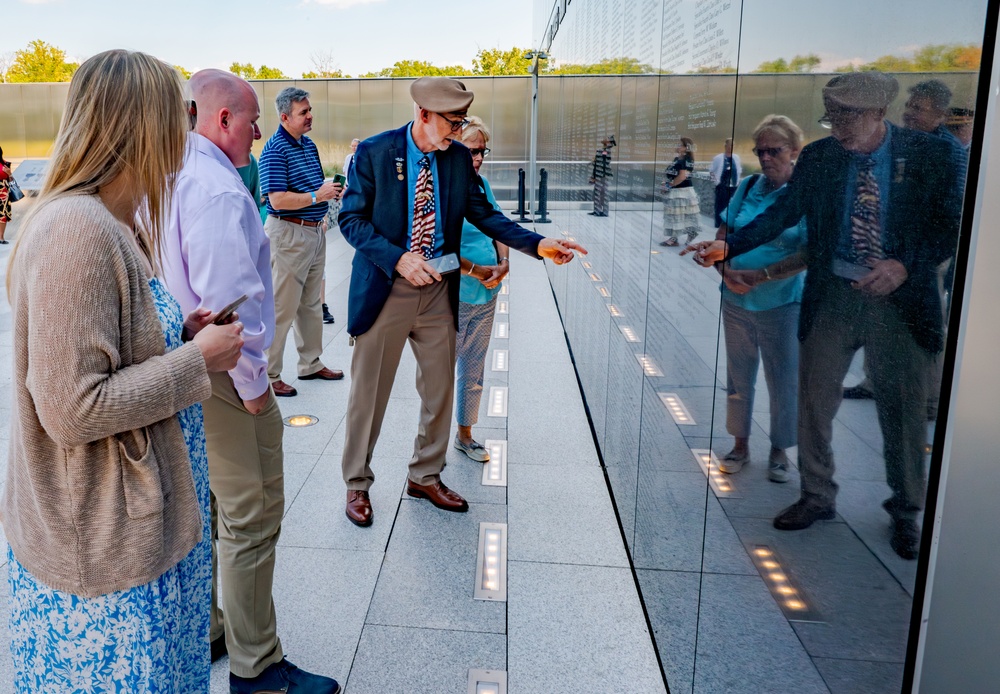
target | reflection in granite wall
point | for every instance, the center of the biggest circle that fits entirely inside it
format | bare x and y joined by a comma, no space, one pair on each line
735,604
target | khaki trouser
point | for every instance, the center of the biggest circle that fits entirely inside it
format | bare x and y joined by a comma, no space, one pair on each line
298,254
245,467
423,316
845,319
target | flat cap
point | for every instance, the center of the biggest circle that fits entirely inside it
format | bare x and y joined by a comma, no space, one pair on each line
441,95
861,90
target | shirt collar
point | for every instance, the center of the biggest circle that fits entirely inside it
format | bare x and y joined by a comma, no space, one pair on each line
288,137
411,147
210,149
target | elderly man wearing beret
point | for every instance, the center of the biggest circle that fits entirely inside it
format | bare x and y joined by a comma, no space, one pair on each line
407,194
882,214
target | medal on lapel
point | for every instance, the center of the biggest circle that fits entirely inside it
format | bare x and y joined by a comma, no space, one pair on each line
399,168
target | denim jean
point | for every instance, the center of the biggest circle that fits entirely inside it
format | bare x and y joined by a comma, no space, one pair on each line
769,336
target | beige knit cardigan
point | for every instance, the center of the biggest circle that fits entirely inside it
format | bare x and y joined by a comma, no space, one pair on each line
99,493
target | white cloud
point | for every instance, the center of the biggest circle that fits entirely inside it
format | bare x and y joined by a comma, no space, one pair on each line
340,4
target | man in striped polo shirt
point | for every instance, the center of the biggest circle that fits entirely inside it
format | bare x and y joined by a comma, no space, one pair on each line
291,179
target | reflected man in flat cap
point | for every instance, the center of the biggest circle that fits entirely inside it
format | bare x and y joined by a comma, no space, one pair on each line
407,194
882,213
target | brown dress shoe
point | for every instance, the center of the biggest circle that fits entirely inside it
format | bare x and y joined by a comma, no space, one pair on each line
439,495
324,374
359,508
282,389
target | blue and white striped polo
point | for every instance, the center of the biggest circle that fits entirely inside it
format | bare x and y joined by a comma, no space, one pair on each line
293,166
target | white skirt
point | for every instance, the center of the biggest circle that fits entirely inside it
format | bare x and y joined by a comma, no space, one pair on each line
681,212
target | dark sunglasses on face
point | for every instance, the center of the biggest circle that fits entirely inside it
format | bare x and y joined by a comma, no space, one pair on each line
769,151
477,152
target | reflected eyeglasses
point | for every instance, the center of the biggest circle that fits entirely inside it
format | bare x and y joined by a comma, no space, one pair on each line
456,125
843,113
769,151
477,152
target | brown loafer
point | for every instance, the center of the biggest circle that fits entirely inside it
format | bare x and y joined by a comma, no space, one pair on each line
324,374
282,389
359,507
439,495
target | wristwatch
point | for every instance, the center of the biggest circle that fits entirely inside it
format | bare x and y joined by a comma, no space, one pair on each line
312,194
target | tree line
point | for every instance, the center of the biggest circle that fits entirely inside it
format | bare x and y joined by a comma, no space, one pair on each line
43,62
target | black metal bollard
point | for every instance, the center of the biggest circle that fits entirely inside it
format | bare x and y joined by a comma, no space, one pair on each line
521,210
543,198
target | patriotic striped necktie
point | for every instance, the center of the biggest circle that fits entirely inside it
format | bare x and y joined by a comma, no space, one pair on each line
866,213
422,235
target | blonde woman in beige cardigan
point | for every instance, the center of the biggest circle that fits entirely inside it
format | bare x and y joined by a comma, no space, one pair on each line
104,515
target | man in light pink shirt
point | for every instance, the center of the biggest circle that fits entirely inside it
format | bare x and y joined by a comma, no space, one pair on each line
215,251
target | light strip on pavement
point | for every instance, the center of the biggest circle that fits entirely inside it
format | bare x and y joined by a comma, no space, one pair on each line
495,471
491,563
498,402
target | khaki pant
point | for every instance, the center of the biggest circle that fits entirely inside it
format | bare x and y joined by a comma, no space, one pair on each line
298,254
846,320
245,467
423,316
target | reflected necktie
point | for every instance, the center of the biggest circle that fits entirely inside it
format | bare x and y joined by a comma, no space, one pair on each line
866,226
422,235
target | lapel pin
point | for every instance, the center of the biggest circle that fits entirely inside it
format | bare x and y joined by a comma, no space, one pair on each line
399,168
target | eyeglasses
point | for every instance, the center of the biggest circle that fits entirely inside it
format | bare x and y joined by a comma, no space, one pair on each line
456,125
842,114
480,152
769,151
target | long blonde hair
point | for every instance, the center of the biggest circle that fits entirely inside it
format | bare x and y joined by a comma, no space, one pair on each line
124,117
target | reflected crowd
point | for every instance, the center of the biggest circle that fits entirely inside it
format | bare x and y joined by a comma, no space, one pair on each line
871,215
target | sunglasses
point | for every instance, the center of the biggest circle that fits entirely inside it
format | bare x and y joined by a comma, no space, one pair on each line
456,125
769,151
843,113
480,152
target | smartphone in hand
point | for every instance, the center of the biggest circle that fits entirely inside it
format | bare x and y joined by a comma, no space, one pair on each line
228,311
340,178
445,263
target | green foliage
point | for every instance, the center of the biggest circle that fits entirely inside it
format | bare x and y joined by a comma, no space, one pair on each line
323,74
40,62
249,72
608,66
495,61
418,68
930,58
800,63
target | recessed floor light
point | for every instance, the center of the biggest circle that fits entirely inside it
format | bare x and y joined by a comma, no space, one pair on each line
721,483
629,334
649,366
491,563
300,420
501,331
500,360
498,402
487,682
676,407
501,307
790,598
495,471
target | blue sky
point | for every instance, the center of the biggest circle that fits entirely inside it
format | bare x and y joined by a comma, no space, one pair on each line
361,35
366,35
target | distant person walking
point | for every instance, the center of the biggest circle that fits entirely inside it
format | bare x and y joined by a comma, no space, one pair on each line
681,209
725,172
599,175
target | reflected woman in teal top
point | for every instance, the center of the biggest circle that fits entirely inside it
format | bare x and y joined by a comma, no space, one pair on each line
762,293
484,265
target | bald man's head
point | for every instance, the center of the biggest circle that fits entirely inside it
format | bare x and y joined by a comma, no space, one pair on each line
227,112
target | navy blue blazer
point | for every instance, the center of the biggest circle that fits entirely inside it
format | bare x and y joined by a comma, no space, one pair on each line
924,201
373,219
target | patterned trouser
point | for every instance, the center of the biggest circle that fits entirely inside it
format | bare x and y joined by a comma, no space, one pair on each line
475,325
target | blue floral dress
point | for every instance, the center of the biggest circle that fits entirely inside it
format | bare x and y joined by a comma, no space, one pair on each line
150,639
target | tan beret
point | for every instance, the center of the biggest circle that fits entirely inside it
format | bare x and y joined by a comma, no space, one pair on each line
441,95
861,90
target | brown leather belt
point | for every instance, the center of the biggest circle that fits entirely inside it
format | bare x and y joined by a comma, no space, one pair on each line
296,220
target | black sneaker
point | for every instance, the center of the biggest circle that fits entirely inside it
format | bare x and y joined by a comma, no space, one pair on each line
283,677
802,514
327,316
